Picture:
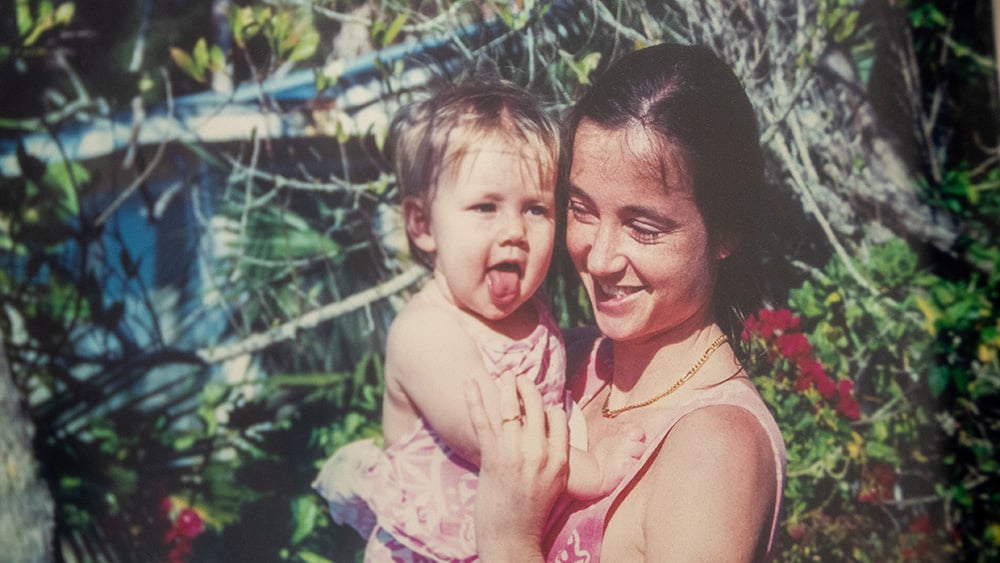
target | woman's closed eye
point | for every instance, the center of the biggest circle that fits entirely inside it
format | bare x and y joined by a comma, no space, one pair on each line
645,232
580,210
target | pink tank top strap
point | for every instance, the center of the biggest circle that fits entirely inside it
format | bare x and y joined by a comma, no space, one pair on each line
576,531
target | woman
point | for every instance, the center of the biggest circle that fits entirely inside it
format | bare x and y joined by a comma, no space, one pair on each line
665,202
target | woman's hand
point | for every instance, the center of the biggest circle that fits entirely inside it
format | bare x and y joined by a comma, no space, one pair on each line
523,467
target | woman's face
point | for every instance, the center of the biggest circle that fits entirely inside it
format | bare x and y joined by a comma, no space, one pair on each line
637,237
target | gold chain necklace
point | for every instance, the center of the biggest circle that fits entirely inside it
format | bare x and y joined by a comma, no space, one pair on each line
612,413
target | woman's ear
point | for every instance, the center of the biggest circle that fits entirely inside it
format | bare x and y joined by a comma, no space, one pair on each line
417,218
725,246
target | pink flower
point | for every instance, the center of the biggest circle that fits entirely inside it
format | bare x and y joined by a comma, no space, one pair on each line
189,523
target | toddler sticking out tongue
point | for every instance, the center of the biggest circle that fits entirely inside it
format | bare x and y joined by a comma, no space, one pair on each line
502,281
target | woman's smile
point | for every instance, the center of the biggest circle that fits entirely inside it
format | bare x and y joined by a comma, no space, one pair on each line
637,238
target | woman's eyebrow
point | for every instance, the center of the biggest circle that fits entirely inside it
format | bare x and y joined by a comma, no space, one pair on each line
575,191
649,212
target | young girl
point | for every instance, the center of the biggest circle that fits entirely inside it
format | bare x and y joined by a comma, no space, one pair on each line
477,166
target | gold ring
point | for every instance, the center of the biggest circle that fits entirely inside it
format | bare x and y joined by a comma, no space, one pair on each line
510,419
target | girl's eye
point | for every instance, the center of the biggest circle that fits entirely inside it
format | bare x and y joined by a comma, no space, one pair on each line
538,211
485,207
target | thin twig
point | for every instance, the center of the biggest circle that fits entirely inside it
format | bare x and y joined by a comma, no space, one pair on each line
259,341
147,171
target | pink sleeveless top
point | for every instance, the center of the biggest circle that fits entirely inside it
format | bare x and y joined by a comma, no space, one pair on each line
422,492
576,530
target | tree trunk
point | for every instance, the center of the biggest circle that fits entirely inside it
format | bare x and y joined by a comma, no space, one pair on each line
26,511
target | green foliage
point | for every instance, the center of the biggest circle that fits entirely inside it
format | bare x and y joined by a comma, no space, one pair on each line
920,460
887,397
33,23
200,61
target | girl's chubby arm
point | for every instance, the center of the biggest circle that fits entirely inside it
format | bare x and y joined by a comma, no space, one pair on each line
428,359
712,490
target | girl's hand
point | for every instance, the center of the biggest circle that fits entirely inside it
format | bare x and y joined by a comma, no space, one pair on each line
523,467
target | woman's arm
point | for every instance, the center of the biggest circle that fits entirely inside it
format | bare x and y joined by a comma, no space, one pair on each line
712,490
523,469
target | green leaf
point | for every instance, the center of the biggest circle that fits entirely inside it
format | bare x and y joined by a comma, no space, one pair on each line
64,178
217,59
310,557
394,28
184,442
938,380
186,63
200,55
305,511
23,17
305,46
64,13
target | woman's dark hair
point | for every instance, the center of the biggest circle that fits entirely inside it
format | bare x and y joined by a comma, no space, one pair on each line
693,105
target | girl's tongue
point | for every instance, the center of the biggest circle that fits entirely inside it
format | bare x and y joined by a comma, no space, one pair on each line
502,281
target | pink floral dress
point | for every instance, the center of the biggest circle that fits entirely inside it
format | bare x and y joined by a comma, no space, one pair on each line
576,529
414,500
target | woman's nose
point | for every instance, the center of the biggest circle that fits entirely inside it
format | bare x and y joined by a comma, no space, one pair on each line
605,255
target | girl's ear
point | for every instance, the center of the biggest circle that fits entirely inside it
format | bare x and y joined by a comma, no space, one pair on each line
417,218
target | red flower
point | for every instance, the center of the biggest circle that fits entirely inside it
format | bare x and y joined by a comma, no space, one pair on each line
849,408
769,322
166,505
750,327
920,525
179,551
794,346
825,385
879,482
847,405
803,382
845,388
885,477
188,523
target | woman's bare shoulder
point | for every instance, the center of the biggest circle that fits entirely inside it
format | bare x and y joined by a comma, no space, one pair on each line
714,471
720,435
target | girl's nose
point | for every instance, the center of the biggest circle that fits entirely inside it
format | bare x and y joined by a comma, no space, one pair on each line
605,255
513,230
